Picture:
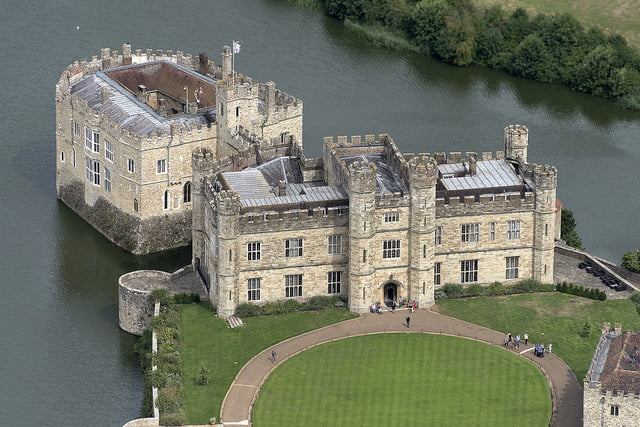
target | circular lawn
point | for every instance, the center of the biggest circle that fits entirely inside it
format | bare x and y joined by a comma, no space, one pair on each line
404,380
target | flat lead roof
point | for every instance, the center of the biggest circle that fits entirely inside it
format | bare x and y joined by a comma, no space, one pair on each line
489,174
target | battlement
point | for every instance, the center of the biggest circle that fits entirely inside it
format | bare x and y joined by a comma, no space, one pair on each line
423,171
442,158
516,140
227,202
545,177
478,204
355,141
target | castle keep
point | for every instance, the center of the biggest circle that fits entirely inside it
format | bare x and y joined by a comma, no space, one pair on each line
126,124
158,149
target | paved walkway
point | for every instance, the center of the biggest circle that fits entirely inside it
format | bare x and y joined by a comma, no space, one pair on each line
238,403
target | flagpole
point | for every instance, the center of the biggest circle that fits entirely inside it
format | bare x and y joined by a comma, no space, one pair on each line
233,64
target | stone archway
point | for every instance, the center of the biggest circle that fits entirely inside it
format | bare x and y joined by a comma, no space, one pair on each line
391,290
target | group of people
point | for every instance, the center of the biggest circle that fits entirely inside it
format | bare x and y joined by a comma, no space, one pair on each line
538,349
377,308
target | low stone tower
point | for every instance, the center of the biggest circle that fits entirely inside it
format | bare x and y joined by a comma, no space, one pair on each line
203,161
516,141
362,195
423,173
227,231
545,211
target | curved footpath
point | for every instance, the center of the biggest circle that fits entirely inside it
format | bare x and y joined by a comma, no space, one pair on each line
238,403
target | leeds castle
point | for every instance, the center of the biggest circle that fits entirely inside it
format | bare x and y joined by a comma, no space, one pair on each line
158,149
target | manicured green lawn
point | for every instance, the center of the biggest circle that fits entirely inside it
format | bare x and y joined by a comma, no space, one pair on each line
547,317
404,380
206,340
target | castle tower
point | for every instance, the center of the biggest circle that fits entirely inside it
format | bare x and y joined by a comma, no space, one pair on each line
226,63
423,172
362,194
227,231
544,217
516,140
202,163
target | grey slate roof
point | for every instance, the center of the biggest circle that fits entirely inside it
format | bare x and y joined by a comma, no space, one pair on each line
124,109
489,174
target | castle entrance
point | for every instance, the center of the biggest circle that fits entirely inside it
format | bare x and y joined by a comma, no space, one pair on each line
390,293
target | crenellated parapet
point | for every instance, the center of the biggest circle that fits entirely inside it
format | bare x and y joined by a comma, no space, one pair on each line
484,204
362,177
227,202
545,177
423,172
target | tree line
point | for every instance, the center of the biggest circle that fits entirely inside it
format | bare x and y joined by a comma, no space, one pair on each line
553,48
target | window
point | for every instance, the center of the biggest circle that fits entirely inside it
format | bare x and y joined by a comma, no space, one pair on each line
391,249
135,206
73,157
221,109
436,273
131,165
513,230
333,282
512,267
253,289
469,271
62,156
92,140
438,236
615,410
492,235
293,285
93,171
292,247
76,128
237,111
334,244
107,179
470,232
108,150
424,251
392,217
161,166
187,192
165,200
254,251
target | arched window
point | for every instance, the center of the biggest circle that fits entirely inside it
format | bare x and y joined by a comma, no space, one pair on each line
165,200
187,192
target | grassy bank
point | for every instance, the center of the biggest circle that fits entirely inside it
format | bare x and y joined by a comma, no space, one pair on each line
619,16
207,341
547,317
404,379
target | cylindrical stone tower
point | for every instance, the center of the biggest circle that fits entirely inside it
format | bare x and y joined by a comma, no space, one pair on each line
226,63
516,141
545,211
362,195
423,173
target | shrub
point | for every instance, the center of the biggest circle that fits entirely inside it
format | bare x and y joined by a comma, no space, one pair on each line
177,418
321,301
524,286
631,261
586,329
474,290
169,399
247,309
635,297
496,288
453,290
160,295
203,375
439,294
591,293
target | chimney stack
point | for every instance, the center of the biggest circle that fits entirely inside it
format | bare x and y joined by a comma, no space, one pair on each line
282,188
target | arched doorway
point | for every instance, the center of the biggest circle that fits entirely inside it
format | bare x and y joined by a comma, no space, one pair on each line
390,293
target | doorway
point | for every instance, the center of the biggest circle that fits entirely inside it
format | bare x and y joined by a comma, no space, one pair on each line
390,293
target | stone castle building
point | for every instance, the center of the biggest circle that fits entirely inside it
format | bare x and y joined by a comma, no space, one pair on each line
126,124
611,394
157,149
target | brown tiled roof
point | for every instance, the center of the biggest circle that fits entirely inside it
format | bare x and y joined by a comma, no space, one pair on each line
622,369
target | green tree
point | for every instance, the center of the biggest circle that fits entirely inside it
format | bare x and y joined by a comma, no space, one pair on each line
631,261
426,22
568,231
531,59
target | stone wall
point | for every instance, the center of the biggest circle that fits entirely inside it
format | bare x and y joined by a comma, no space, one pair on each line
135,305
598,408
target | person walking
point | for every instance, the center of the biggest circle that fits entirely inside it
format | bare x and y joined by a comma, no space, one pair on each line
393,307
273,356
510,339
526,338
408,319
506,342
517,341
549,347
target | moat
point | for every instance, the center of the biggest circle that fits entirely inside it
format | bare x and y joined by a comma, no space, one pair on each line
65,358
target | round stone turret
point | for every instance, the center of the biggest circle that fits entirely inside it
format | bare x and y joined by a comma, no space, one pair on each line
423,172
362,177
516,141
226,63
545,177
